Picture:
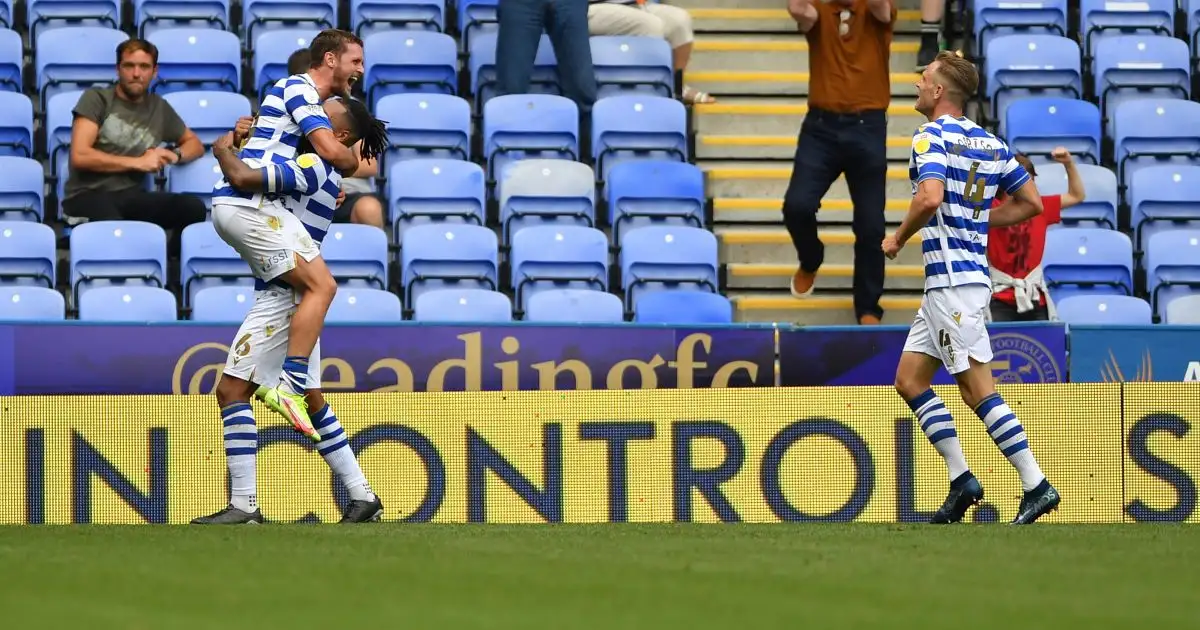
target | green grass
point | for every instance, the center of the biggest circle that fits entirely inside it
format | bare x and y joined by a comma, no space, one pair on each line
737,577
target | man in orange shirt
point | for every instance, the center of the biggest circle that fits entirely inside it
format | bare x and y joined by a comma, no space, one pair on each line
1015,252
844,133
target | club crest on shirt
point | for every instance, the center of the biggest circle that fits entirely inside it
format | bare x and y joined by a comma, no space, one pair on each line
274,224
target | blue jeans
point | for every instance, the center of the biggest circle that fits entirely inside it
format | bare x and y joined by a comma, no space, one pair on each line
521,26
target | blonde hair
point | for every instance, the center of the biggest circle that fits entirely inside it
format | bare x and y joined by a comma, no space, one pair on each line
958,74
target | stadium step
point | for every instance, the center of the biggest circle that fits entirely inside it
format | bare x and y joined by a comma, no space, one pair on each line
775,82
738,116
775,53
773,276
818,310
765,147
763,245
708,16
770,179
767,210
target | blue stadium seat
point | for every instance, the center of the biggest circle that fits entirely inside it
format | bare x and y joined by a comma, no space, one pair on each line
42,16
432,190
633,64
1138,67
127,304
260,16
270,53
398,62
463,305
638,128
125,252
1088,260
1172,266
222,305
1100,20
360,305
574,306
368,17
210,114
207,261
667,257
1019,66
997,18
31,304
1191,11
481,61
76,58
16,125
1183,310
6,14
558,257
28,255
1104,309
425,126
1035,126
1155,132
1099,208
12,58
192,59
654,192
59,119
21,188
152,15
683,308
476,17
445,255
539,192
195,178
357,255
1163,198
523,126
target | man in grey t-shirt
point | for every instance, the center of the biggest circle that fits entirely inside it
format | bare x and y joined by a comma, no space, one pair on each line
116,141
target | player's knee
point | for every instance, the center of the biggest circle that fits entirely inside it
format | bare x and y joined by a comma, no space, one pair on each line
908,386
230,391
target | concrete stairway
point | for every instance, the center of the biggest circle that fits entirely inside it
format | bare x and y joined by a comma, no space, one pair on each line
749,55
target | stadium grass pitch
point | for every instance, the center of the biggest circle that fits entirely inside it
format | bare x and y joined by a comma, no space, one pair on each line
605,576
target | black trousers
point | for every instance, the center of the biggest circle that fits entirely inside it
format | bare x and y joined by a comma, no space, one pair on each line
521,26
170,211
1005,312
832,144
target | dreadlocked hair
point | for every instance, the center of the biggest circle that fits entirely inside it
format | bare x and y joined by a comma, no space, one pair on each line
372,132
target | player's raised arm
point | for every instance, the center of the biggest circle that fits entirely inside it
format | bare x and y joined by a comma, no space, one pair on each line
1023,202
303,105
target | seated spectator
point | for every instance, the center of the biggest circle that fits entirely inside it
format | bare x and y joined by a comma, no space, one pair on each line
117,140
1019,292
649,19
360,205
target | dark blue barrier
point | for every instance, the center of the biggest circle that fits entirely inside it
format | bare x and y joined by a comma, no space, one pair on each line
1115,354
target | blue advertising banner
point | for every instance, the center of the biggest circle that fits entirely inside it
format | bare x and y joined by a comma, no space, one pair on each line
75,358
1024,353
1118,354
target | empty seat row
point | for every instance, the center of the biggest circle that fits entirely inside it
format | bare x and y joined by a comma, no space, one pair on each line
432,256
396,62
1089,261
1124,67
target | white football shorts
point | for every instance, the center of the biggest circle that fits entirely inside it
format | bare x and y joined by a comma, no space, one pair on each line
260,346
268,238
951,325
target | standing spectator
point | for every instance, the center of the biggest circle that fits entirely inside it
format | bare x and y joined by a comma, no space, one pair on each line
116,142
845,132
649,19
521,25
361,204
932,12
1019,292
